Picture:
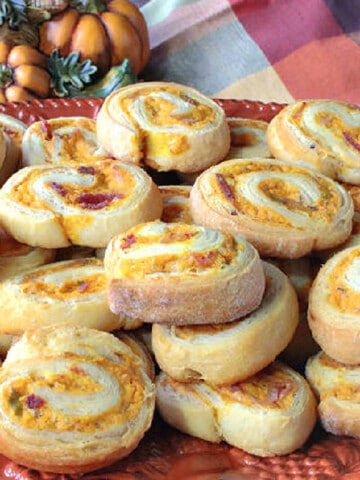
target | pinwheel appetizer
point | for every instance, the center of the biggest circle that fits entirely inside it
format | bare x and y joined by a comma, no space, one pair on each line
176,206
247,138
61,140
334,306
337,387
284,210
182,274
270,413
70,292
54,206
228,353
324,134
73,400
166,126
16,258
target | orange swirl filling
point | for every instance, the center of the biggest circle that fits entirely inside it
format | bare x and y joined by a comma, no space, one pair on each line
226,184
162,112
185,260
73,288
31,411
333,122
341,295
74,144
178,210
112,185
271,388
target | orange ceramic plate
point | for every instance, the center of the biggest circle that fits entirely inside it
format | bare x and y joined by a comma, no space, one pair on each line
165,454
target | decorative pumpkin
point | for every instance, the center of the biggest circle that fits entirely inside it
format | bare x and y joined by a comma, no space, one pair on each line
23,73
105,32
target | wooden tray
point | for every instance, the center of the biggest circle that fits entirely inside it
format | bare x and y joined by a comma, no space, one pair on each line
165,454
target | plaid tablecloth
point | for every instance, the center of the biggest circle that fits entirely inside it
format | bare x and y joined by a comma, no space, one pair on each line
269,50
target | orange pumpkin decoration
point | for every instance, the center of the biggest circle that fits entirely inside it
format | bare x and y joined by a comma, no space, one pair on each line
23,73
105,32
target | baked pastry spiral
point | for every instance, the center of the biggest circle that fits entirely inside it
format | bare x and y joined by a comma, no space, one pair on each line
73,400
54,206
16,258
337,387
247,138
334,306
72,292
61,140
322,133
176,206
228,353
166,126
284,210
270,413
182,274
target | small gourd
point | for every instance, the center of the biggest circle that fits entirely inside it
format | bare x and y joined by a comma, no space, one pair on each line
23,73
105,32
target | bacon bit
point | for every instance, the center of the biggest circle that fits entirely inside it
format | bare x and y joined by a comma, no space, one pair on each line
34,401
60,189
205,260
78,370
83,286
9,131
188,99
95,201
351,141
87,170
46,129
128,241
225,187
279,391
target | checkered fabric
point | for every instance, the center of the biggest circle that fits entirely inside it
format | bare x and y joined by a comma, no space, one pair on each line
269,50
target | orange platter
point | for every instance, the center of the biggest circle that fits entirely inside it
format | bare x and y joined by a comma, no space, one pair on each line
165,454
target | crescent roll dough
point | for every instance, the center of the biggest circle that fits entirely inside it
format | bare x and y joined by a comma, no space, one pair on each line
270,413
284,210
72,292
228,353
167,126
334,306
322,133
59,140
337,387
54,206
182,274
73,400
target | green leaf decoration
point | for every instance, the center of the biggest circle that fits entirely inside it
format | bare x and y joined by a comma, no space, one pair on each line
89,6
6,76
117,77
13,12
69,73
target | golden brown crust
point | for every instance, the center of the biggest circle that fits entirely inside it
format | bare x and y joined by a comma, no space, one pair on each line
182,274
61,140
71,292
284,210
337,388
333,306
322,133
165,125
90,391
228,353
54,206
271,413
